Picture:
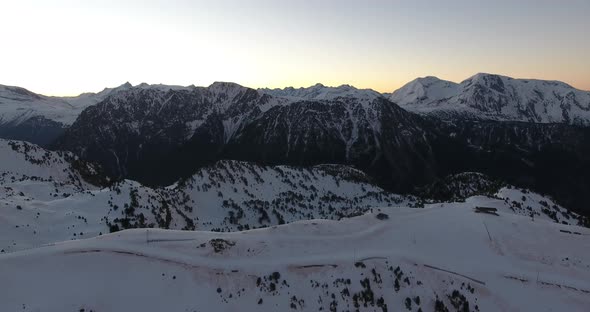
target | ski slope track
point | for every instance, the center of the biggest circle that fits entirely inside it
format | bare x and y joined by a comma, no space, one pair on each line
393,259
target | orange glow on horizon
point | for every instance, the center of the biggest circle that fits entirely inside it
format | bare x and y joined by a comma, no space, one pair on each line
64,47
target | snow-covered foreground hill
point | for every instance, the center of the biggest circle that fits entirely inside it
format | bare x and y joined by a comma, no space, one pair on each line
44,198
369,252
430,259
227,196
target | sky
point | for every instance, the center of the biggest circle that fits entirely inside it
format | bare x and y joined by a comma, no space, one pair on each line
64,47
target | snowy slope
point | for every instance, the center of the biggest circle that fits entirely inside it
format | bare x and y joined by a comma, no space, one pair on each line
24,161
234,195
473,187
41,208
17,105
426,91
487,96
37,212
522,202
415,259
39,189
40,205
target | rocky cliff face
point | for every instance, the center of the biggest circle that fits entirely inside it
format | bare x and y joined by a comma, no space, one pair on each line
174,132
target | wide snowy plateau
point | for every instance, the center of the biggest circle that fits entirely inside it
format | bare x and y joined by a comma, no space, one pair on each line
275,238
495,97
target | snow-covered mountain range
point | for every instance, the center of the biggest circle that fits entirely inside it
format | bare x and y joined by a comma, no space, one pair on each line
157,134
495,97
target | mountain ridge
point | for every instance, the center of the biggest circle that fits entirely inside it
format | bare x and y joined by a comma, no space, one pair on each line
223,120
429,95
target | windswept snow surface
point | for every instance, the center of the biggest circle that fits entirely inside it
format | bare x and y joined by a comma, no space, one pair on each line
490,263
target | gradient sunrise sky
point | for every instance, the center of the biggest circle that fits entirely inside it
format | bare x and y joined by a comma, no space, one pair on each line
62,47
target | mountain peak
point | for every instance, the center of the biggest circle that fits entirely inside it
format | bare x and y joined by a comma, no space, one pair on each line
107,91
18,93
424,90
427,79
229,89
482,75
494,82
497,97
